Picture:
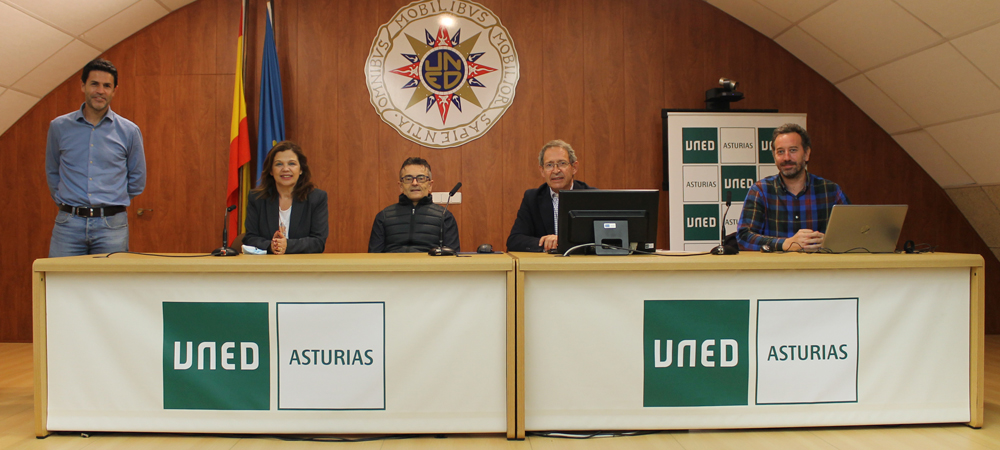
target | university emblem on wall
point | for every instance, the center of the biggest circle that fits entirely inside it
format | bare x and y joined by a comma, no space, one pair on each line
442,72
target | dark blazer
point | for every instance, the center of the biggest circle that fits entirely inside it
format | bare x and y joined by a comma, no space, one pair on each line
534,219
309,224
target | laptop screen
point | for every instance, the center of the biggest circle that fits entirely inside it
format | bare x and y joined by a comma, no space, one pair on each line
864,228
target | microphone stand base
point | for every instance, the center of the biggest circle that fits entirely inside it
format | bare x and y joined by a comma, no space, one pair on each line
224,251
441,251
723,250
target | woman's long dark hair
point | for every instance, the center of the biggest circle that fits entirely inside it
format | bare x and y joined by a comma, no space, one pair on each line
266,187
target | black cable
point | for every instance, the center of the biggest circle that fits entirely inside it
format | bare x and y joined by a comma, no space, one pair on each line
827,251
343,439
595,434
854,250
260,436
641,252
154,254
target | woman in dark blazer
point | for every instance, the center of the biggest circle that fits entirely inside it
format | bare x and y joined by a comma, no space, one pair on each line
285,212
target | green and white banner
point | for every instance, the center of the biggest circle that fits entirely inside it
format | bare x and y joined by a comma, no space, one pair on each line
284,353
710,156
745,348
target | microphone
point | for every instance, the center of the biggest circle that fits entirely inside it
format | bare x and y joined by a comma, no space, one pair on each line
441,250
225,250
721,249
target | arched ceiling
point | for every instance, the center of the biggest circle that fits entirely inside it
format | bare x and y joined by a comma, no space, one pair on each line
46,41
925,70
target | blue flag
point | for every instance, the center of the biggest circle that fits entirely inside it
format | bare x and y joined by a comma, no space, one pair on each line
271,127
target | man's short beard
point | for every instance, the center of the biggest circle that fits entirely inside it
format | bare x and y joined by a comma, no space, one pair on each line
798,169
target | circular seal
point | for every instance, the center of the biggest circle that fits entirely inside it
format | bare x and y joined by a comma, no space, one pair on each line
442,72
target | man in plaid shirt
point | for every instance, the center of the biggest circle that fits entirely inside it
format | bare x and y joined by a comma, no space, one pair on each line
789,211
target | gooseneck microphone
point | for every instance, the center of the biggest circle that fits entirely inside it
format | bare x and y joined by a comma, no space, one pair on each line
225,250
721,249
441,250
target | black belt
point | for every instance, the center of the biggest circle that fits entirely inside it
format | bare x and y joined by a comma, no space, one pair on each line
84,211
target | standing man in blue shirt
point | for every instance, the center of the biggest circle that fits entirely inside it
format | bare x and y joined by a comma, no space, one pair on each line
789,211
94,165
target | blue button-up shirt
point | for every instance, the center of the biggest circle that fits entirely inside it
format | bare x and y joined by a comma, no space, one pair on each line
88,165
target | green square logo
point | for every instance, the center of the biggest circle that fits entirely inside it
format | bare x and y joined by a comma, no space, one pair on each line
695,352
738,180
766,147
701,222
701,145
216,356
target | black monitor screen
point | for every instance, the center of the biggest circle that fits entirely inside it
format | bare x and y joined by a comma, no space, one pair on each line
579,209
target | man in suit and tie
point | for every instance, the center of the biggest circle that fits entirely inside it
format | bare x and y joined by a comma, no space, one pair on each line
536,227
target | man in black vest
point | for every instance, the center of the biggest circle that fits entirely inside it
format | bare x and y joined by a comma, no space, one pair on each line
535,228
414,223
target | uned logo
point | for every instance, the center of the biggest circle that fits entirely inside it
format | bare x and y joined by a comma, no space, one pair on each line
695,352
764,155
738,180
216,356
701,222
701,145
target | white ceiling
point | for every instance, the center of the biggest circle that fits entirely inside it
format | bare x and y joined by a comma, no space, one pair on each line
924,70
47,41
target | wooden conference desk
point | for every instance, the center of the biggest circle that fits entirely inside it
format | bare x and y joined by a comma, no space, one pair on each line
306,344
650,342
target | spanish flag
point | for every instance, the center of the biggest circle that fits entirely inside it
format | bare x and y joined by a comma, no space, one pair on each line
239,143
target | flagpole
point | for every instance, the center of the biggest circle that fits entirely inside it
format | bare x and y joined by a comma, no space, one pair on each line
237,180
244,169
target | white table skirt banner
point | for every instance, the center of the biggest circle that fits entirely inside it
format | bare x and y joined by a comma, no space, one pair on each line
752,348
277,353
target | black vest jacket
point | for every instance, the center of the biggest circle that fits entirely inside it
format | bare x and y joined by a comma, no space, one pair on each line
412,228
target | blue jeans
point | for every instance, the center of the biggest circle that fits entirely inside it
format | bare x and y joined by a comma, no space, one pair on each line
74,235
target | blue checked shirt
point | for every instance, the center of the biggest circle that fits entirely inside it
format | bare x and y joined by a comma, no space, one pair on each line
771,214
87,165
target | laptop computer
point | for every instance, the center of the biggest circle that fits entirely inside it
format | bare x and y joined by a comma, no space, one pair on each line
864,228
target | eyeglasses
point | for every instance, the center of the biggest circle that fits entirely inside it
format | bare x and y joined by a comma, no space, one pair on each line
562,165
420,179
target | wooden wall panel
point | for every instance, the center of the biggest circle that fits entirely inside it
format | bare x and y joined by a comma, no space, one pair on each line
319,116
564,64
593,72
482,215
604,95
521,132
181,164
186,42
351,175
643,82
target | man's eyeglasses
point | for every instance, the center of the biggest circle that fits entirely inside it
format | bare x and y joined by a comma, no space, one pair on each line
420,179
562,165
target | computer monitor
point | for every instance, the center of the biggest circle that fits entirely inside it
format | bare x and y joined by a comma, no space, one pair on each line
580,209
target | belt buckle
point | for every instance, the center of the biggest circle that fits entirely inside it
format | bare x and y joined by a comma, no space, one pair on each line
89,211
